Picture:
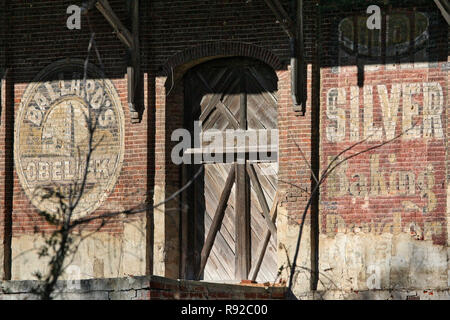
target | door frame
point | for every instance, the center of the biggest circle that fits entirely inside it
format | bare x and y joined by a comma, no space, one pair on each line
190,254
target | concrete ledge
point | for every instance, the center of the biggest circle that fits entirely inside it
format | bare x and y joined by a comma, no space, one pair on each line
159,288
379,295
140,288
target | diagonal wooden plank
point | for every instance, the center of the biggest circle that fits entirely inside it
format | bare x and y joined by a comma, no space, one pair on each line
214,118
261,199
218,77
263,245
216,97
218,170
282,16
283,11
263,85
122,32
228,114
226,82
222,73
444,6
212,121
222,255
217,221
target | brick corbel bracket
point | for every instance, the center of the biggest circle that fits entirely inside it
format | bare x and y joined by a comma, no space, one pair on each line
131,41
294,30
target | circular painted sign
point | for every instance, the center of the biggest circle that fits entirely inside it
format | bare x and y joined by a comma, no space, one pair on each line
69,138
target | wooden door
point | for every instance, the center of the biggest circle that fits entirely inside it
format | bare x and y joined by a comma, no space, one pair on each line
229,229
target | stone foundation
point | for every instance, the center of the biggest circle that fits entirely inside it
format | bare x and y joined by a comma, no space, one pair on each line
142,288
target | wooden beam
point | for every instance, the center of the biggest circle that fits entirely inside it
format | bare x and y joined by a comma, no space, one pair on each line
227,80
3,33
131,85
282,11
190,249
88,6
243,101
242,224
131,41
242,212
282,17
216,103
227,114
297,62
3,42
7,176
134,72
122,32
217,149
217,220
444,6
261,199
7,156
263,245
186,200
135,52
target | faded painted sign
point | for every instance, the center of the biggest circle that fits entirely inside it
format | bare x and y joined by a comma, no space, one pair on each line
52,137
385,103
406,35
400,110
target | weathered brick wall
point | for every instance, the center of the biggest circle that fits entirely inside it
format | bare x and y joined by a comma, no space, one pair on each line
384,212
37,36
394,196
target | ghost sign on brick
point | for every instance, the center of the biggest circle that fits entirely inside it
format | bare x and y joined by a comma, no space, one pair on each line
385,103
52,137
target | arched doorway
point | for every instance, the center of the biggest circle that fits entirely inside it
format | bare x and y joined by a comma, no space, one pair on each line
229,232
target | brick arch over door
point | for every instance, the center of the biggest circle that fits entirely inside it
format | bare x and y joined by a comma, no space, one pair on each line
179,63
